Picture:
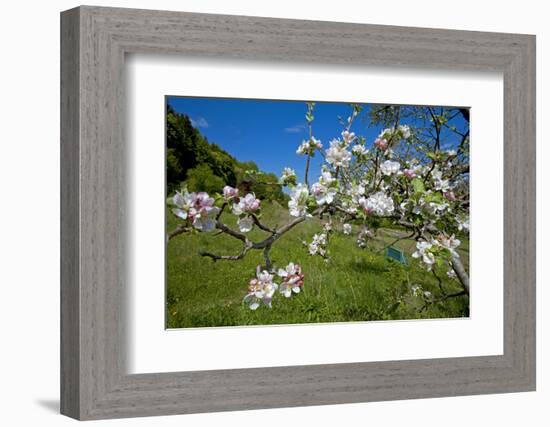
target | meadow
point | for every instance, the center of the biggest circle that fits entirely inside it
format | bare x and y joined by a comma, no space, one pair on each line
357,284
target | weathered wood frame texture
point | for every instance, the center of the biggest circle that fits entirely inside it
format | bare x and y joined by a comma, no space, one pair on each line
94,41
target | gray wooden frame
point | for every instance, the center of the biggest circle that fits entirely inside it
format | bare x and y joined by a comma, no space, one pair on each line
94,382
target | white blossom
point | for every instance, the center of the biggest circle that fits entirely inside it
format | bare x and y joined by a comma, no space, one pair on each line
260,290
288,176
434,208
230,192
356,191
422,252
248,203
381,143
390,167
318,245
183,202
323,195
245,224
448,242
387,134
346,229
359,150
405,131
378,203
363,235
440,184
337,154
292,279
348,137
308,147
463,223
196,207
297,204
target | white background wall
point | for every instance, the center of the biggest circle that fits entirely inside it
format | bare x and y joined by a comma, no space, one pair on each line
29,213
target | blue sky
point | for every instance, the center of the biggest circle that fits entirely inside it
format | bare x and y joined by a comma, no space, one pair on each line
268,132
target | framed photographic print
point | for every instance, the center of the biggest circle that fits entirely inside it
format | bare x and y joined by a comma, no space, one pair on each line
262,213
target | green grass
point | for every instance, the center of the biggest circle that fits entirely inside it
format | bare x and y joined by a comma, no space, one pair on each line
356,285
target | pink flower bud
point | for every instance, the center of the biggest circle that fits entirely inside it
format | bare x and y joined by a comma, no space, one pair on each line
229,192
381,143
409,173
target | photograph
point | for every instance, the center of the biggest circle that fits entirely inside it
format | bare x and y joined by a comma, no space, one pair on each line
296,212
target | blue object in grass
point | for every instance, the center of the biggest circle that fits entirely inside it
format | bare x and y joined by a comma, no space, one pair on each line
396,255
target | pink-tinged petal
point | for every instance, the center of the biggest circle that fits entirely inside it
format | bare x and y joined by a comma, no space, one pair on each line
245,224
282,273
208,224
178,199
179,213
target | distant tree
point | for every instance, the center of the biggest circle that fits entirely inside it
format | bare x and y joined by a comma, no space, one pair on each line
202,178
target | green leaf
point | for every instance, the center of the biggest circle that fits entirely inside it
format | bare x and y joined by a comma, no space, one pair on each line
418,185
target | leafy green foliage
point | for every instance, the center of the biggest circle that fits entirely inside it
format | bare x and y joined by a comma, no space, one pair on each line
202,178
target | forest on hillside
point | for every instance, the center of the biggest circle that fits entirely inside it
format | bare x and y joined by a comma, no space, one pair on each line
200,165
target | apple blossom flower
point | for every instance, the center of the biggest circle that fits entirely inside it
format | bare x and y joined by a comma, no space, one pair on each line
378,203
292,279
346,229
390,167
434,208
318,245
245,224
230,192
387,133
308,147
381,143
451,153
448,242
326,178
260,290
288,176
405,131
246,204
409,173
451,274
463,223
348,137
356,191
204,217
440,184
337,154
363,236
359,150
297,204
323,195
183,202
423,252
196,207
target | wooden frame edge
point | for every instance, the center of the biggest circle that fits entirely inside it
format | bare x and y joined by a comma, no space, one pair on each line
93,382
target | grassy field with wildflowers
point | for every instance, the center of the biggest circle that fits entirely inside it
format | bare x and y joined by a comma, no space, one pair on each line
356,284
